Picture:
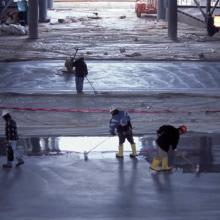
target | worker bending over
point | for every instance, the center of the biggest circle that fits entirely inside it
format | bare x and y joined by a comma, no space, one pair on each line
167,136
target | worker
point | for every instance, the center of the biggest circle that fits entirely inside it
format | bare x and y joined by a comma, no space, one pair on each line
11,140
22,6
121,123
69,64
167,138
81,71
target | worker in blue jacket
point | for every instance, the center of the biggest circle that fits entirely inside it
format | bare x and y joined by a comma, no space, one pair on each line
121,123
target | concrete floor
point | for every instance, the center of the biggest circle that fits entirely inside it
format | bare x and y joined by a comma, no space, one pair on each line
110,37
61,184
111,76
43,99
63,187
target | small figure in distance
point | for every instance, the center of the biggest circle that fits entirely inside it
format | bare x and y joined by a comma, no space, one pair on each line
81,71
11,140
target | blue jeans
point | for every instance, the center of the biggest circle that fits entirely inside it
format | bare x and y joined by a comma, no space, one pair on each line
79,83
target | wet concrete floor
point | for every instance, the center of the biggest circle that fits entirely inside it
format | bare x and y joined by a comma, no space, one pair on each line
43,100
195,150
65,186
47,77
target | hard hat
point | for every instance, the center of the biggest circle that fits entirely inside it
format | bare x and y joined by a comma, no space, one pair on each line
112,108
183,129
5,112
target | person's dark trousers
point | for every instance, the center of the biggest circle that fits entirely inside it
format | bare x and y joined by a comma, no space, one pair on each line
79,83
22,16
125,135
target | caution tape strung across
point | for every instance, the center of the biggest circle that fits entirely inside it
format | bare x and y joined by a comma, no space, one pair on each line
98,110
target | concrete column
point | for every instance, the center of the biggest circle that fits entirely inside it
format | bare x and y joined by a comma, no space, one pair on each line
161,10
42,10
33,19
172,19
50,4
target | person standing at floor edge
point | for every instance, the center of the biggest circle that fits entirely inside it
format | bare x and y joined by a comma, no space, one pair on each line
121,123
167,136
11,139
81,72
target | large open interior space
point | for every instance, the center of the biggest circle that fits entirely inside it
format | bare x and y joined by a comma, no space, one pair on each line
110,109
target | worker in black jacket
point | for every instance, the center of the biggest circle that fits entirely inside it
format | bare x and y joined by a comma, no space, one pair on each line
11,140
81,71
167,137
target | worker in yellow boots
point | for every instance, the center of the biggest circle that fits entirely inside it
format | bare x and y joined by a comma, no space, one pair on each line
167,136
121,123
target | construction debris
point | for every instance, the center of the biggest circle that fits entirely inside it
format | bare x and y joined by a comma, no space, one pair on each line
12,29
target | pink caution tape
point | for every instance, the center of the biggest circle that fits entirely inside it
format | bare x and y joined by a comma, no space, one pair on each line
99,110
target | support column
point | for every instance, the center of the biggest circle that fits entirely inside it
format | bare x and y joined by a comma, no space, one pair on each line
172,19
50,4
161,10
33,19
42,10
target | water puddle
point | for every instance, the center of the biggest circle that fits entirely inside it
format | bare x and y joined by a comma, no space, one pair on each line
196,152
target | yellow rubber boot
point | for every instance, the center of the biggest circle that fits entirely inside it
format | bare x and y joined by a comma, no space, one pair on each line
120,151
134,152
165,166
155,165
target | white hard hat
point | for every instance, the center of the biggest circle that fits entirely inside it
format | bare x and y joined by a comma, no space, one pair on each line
112,108
5,112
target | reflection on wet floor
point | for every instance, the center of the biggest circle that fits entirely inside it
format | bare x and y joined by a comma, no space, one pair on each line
196,152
